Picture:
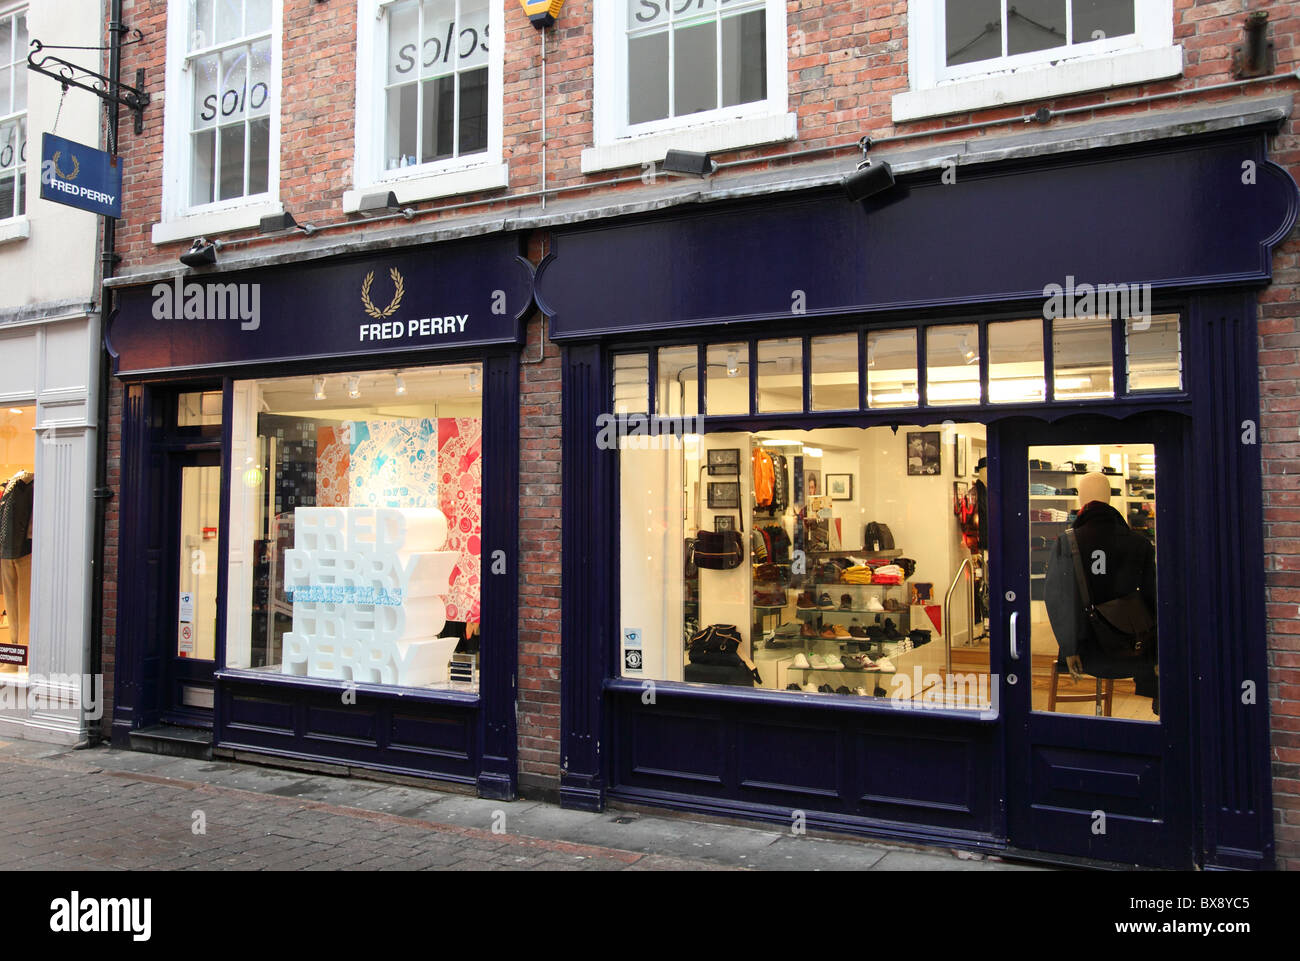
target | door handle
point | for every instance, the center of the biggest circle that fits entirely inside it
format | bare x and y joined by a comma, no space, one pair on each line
1015,641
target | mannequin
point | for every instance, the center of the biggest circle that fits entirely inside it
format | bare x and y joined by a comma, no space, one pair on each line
16,556
1092,487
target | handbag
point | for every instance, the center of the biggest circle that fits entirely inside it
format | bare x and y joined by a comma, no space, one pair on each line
718,550
718,645
878,537
1123,627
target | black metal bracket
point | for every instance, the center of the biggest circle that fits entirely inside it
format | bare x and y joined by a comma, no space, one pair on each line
70,75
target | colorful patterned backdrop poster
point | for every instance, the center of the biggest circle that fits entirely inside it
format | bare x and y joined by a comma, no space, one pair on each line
333,457
393,463
460,497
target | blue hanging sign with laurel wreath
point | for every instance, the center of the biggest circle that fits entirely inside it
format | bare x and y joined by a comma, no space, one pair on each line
80,176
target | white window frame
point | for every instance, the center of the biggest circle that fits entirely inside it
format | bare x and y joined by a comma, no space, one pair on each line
616,143
937,89
15,226
439,178
179,219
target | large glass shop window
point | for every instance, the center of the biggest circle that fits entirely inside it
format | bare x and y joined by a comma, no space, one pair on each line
17,499
808,561
356,522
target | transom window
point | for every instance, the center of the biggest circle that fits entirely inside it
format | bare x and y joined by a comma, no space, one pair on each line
436,82
999,362
13,114
229,57
688,56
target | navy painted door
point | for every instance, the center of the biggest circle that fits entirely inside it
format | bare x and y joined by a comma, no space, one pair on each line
1098,763
189,631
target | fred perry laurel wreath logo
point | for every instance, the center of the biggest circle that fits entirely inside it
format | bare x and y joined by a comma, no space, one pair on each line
76,167
398,290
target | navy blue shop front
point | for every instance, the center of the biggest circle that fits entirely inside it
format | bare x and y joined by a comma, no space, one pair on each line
404,316
1194,220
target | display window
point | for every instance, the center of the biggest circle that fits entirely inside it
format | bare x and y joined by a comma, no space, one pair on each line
17,500
835,561
356,521
1092,527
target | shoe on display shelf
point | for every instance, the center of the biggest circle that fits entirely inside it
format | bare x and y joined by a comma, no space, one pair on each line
801,662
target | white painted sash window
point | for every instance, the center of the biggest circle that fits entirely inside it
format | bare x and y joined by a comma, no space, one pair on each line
13,113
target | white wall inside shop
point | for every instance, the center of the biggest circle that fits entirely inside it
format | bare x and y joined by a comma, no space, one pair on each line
50,254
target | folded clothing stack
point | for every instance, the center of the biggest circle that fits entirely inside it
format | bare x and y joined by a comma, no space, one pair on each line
888,574
1041,490
858,574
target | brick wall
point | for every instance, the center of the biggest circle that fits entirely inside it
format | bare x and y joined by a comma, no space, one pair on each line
847,58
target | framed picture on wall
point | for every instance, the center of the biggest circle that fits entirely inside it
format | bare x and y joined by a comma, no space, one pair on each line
959,455
812,484
724,462
724,497
923,453
724,522
839,487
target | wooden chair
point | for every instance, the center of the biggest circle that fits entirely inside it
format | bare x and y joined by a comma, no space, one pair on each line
1103,698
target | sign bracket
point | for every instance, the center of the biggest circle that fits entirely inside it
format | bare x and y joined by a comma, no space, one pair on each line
70,74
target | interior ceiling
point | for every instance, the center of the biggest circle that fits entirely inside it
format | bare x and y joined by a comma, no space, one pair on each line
425,387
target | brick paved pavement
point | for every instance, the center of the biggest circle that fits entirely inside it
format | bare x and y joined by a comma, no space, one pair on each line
113,810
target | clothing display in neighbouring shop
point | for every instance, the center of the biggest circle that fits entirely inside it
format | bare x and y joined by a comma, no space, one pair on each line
764,477
16,554
777,542
780,483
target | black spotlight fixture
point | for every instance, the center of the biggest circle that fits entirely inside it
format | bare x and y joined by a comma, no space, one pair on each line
870,178
384,202
202,253
277,222
689,162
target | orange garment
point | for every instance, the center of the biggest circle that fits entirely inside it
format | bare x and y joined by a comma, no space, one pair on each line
764,477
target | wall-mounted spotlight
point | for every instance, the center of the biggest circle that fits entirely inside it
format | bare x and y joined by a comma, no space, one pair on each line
354,387
384,202
870,178
689,162
318,388
275,223
202,253
399,385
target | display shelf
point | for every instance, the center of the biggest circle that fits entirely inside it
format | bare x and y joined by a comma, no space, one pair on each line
842,670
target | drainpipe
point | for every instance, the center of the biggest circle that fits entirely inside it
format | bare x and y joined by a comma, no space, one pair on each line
108,260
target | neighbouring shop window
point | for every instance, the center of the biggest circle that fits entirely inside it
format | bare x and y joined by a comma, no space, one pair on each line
689,56
631,384
17,503
436,81
356,522
677,393
234,98
806,561
1016,362
1105,494
13,113
780,375
728,382
1082,359
952,365
1154,351
891,369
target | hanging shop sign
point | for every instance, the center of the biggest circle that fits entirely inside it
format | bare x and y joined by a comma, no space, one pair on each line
80,176
446,296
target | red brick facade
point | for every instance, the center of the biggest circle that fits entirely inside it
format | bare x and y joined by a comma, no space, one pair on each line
847,59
